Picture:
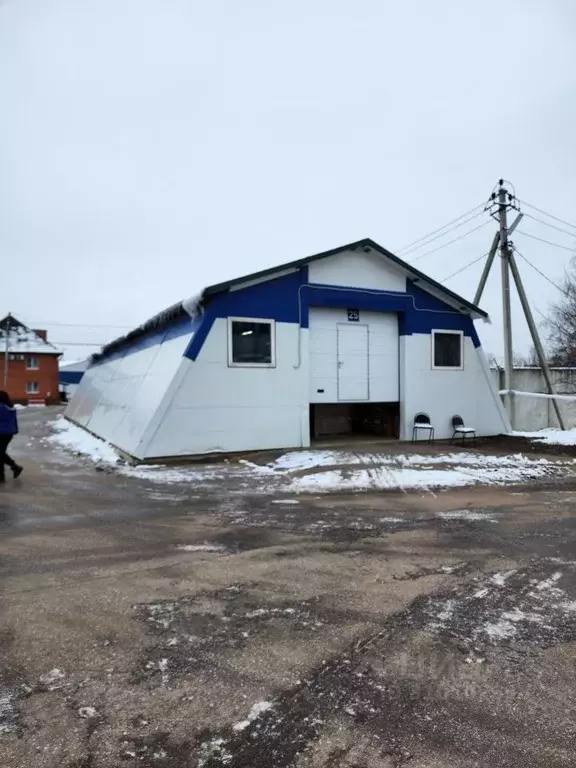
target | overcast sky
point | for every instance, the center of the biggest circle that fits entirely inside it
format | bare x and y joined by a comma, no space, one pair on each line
148,149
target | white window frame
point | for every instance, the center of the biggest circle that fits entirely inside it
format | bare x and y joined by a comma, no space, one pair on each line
29,391
447,367
262,321
29,366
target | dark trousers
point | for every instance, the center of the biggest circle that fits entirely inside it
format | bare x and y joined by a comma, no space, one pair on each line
4,458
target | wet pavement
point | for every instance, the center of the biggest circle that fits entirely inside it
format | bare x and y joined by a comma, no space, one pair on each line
151,624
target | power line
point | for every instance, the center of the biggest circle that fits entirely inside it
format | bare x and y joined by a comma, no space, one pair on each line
440,229
548,242
442,234
450,242
80,325
462,269
536,269
547,224
550,215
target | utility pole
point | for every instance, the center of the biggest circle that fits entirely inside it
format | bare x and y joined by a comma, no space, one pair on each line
506,307
504,201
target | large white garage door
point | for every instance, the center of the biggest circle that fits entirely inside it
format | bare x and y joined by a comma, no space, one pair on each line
353,360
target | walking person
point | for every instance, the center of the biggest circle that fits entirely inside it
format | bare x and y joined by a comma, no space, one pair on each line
8,428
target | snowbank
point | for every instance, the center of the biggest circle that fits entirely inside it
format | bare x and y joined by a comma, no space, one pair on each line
550,436
77,440
311,471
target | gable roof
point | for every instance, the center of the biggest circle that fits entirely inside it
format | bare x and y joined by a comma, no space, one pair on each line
23,340
366,243
190,307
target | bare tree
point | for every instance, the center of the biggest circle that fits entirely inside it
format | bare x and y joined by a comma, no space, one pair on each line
561,322
528,360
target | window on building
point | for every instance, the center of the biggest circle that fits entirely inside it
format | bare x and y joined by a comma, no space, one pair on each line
32,363
32,388
447,352
251,342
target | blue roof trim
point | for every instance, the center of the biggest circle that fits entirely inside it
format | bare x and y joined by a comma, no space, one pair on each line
276,299
180,328
177,313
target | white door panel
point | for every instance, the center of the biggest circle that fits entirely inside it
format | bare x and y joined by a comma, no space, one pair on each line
352,361
327,384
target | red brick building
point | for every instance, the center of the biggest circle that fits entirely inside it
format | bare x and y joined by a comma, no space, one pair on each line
30,372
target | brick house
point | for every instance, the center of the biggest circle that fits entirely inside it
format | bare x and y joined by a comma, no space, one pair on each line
30,375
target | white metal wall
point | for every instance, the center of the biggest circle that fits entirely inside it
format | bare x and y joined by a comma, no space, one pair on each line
216,408
118,398
358,269
442,394
383,356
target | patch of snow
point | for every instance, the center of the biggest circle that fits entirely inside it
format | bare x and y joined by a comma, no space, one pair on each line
516,615
500,578
88,712
192,305
255,712
467,514
212,752
7,710
391,520
481,593
201,547
550,436
446,613
52,679
256,613
73,438
285,501
549,583
499,630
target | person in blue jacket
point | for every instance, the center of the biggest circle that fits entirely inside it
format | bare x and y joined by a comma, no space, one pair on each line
8,428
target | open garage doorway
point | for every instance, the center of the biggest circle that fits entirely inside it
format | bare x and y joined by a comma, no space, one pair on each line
380,420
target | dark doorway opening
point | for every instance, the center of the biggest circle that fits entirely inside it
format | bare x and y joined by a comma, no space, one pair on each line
366,419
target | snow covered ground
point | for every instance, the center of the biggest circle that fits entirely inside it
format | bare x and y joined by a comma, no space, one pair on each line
323,471
78,441
551,436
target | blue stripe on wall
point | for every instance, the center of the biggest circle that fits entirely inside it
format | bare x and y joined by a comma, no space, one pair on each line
277,299
70,377
287,299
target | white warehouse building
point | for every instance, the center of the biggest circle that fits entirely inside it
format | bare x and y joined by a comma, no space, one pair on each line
350,341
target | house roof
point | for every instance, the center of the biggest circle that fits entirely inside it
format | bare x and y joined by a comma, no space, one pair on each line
190,307
366,243
23,340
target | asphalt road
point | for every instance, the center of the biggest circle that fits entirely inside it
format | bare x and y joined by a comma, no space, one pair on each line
164,625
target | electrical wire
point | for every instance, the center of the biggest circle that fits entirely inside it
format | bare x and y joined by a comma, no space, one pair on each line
78,343
442,234
79,325
536,269
450,242
440,229
550,215
547,224
465,267
548,242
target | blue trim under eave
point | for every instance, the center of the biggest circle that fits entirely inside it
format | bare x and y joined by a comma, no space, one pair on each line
288,299
180,328
277,299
